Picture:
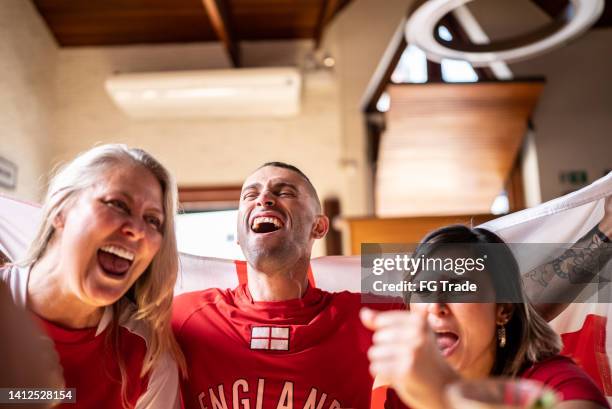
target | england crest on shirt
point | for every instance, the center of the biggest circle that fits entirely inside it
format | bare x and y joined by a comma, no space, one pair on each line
270,338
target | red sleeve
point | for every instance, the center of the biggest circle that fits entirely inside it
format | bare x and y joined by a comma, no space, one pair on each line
564,376
559,373
187,304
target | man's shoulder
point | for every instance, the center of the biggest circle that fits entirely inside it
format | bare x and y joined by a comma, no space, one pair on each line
186,304
210,294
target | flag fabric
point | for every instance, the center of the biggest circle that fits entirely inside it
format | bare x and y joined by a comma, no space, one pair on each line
583,326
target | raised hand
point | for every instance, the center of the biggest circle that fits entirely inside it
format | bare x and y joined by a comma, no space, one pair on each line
405,355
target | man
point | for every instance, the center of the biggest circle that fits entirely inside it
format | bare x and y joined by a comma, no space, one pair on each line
275,342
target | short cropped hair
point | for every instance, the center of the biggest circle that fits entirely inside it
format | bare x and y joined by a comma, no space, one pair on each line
292,168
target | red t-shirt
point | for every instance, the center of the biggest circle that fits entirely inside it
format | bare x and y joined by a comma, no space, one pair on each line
89,366
559,373
304,353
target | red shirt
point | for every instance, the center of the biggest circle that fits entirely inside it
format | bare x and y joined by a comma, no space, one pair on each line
89,366
303,353
559,373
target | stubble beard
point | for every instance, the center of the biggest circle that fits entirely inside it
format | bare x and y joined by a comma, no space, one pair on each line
272,259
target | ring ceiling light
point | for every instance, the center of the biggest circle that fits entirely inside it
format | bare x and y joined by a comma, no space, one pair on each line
421,31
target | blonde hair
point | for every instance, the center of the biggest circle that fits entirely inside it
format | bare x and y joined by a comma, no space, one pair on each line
153,291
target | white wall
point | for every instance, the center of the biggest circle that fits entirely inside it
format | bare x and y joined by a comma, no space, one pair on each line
572,121
328,133
358,38
28,57
58,106
200,152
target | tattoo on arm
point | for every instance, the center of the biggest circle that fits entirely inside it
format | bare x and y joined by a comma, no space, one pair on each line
580,264
541,275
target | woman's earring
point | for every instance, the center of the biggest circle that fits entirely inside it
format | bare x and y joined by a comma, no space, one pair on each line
501,335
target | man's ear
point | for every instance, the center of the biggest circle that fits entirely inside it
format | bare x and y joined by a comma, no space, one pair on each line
321,226
503,313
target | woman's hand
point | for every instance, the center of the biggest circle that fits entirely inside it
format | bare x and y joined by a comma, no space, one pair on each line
405,355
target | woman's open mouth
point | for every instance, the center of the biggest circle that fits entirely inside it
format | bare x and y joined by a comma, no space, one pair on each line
115,261
447,342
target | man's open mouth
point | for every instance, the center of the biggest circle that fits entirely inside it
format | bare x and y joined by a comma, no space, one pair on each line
447,342
115,261
266,224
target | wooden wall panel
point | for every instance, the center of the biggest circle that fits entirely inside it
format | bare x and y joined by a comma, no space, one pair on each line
449,148
402,230
201,198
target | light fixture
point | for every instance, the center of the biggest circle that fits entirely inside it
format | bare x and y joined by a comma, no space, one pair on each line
421,27
329,61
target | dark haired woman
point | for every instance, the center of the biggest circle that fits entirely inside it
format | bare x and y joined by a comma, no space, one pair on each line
423,350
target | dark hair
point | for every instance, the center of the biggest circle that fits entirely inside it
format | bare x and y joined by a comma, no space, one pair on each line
529,337
283,165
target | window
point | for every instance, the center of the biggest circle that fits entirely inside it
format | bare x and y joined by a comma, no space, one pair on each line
501,204
384,102
208,225
458,71
413,66
444,34
209,234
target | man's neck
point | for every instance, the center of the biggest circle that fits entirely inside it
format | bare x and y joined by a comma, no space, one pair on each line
277,286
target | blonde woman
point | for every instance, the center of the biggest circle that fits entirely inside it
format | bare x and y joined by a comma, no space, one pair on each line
99,278
442,340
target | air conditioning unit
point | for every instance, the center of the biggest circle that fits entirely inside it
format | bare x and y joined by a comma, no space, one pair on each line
243,92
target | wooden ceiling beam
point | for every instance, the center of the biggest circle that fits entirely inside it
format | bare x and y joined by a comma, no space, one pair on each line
219,13
120,22
325,14
329,10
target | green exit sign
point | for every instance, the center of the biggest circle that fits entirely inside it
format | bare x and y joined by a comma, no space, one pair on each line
573,177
